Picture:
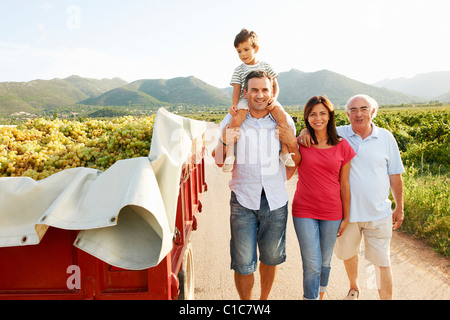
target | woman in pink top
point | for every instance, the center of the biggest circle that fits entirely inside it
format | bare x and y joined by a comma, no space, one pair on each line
321,204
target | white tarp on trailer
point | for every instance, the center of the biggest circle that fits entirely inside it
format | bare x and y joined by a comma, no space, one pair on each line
126,214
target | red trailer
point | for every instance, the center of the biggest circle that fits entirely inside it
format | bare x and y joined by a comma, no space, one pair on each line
56,269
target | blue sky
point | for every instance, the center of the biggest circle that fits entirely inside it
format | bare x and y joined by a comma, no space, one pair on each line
367,40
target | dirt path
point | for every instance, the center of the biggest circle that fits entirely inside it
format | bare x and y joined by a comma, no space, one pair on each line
418,272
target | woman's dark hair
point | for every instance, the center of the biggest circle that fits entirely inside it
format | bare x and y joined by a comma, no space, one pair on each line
333,137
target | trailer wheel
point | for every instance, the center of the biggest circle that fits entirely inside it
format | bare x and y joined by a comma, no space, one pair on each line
186,275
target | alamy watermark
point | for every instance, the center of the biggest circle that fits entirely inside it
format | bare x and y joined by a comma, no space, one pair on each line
74,280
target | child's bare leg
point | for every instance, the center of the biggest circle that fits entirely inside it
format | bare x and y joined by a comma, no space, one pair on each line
235,122
280,117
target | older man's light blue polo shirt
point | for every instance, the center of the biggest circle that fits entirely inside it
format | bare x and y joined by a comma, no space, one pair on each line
257,163
376,158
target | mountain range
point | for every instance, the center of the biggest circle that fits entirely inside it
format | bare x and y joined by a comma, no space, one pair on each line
155,92
39,95
431,85
296,87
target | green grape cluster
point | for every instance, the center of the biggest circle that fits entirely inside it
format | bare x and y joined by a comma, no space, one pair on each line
42,147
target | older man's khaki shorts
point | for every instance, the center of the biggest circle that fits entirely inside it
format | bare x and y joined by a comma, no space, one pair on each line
377,241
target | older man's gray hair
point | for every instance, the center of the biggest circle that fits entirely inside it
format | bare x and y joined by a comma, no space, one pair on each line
371,101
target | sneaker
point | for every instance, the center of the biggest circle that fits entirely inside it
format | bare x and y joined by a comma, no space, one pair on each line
228,164
352,295
287,159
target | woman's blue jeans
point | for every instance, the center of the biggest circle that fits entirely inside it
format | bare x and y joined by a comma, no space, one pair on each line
317,239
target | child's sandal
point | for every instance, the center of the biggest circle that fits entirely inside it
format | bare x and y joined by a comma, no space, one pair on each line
228,164
287,159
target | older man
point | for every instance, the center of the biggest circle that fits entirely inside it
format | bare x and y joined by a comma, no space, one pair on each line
376,169
258,192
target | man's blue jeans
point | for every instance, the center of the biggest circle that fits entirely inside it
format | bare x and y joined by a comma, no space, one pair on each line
257,229
317,239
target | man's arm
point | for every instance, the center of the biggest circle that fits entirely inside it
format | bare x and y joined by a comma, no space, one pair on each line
286,135
295,154
345,196
227,137
219,153
396,182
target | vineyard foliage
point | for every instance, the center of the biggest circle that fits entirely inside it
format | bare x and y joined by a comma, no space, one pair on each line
423,137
